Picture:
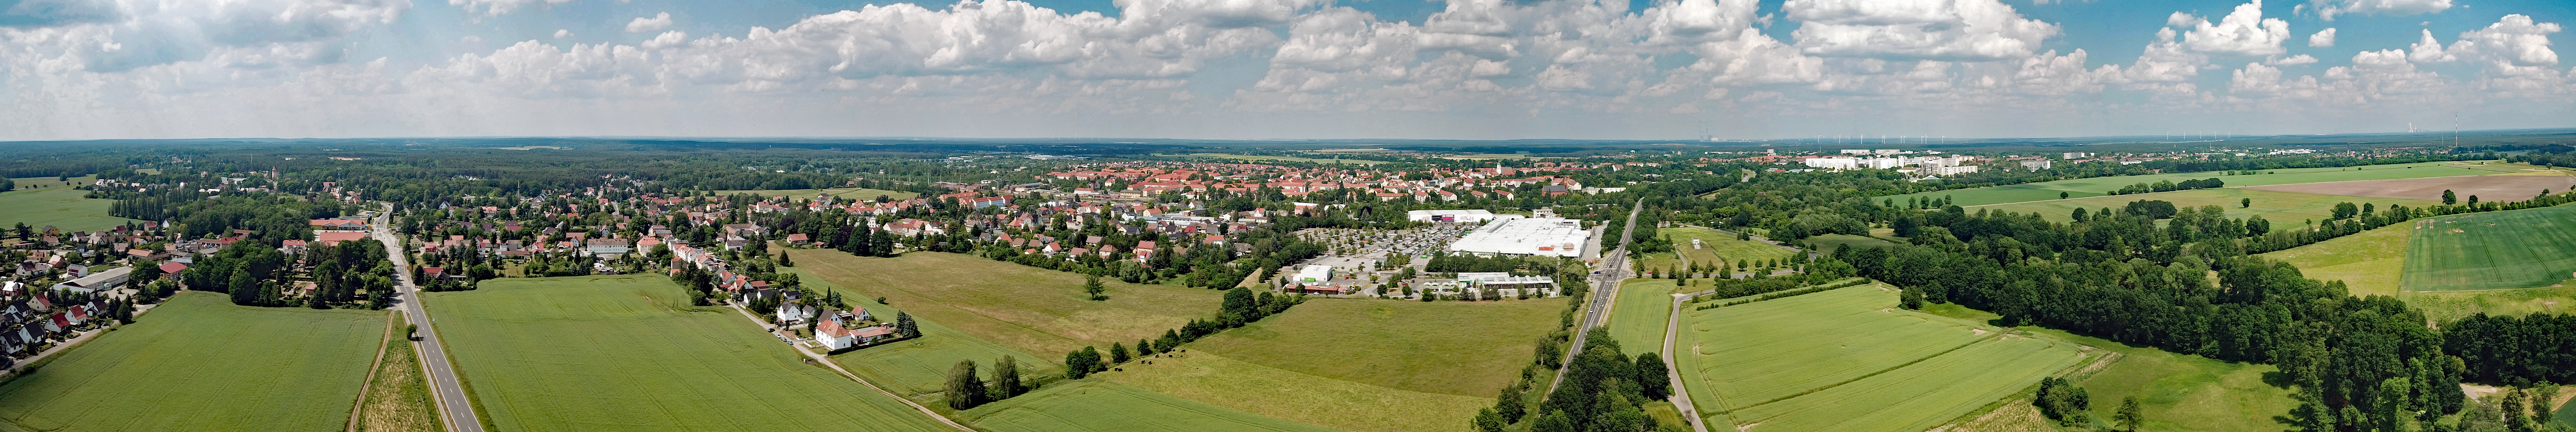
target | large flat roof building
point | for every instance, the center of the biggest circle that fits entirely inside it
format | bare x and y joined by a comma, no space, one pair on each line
1317,273
1525,236
1458,216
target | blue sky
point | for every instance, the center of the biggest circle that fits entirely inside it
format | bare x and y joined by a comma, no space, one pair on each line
1468,69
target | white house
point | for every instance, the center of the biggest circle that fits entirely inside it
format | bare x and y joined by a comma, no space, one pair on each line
791,313
832,335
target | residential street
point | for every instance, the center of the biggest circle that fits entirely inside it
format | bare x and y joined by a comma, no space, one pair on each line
453,406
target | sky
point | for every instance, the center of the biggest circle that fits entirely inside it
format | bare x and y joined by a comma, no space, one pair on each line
1894,71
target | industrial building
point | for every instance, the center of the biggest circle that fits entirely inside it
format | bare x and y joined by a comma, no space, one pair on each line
1317,273
1514,235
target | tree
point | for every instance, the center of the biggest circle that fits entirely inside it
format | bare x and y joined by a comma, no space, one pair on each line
1117,353
2130,415
244,289
903,326
1911,299
783,261
965,390
2473,200
1082,362
1554,421
1510,405
2061,195
2245,203
1091,285
1006,378
1487,421
2448,198
1652,375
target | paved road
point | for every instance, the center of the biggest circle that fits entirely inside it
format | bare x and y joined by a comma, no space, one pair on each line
1614,267
1681,396
452,403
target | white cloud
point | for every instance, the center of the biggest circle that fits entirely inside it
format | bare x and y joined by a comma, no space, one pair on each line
656,23
2292,60
2327,9
2244,31
2165,60
1929,29
2512,40
2428,50
2322,39
498,7
563,33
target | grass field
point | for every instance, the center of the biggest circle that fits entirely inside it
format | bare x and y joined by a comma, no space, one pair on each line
843,193
2494,250
2368,263
61,207
1278,393
2452,305
627,353
2284,209
1459,348
398,399
1717,246
1844,360
1638,319
2098,186
2177,392
1037,311
1101,406
918,368
197,362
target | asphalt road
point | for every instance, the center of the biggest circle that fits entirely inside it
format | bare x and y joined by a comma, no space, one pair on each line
1605,288
452,403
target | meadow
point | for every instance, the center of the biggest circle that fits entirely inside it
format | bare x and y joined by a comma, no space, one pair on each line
62,207
197,362
628,353
1644,306
1036,311
918,368
1213,379
1718,246
1459,348
842,193
2284,209
1102,406
398,399
1845,360
2493,250
2369,263
2100,186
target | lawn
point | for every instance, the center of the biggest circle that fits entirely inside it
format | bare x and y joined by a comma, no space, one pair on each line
2494,250
398,399
627,353
918,368
2368,263
1844,360
1718,246
842,193
1037,311
197,362
2098,186
2284,209
1272,392
61,207
1637,320
1101,406
1460,348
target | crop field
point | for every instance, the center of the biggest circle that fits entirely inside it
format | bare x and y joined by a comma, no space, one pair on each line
2370,262
1460,348
61,207
1845,360
398,399
2500,187
918,368
2284,209
2493,250
1037,311
197,362
628,353
2098,186
1278,393
1101,406
1716,246
841,193
1637,319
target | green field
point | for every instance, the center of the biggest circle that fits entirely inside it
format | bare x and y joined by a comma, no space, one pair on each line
1718,246
918,368
1644,306
627,353
1278,393
2098,186
1845,360
2368,263
197,362
1037,311
1459,348
398,400
1101,406
2185,392
2453,305
2284,209
842,193
61,207
2494,250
